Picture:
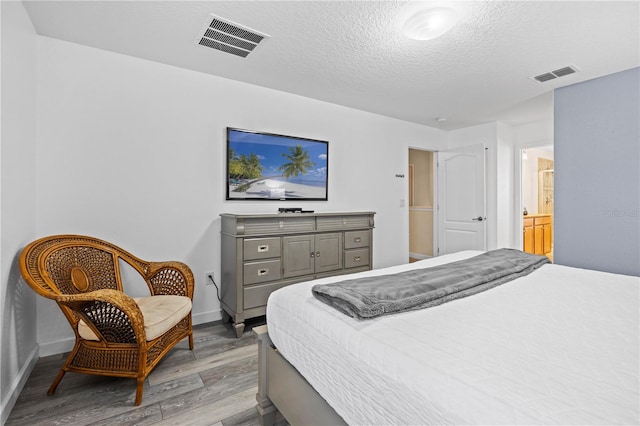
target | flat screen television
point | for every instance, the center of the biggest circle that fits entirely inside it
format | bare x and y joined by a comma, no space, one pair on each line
267,166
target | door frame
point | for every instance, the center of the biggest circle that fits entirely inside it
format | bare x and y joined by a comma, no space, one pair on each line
517,162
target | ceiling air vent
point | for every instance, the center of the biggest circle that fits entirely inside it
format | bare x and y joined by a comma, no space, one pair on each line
555,74
545,77
563,71
221,34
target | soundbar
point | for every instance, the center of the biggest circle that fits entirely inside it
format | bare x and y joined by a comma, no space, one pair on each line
293,210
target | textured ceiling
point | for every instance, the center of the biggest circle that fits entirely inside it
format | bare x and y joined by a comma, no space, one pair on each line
353,53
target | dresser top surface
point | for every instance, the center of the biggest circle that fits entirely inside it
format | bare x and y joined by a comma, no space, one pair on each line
272,215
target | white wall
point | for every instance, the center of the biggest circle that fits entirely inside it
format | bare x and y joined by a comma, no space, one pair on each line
597,178
17,202
505,207
133,151
535,133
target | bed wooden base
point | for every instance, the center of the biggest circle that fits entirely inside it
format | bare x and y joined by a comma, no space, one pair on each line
282,389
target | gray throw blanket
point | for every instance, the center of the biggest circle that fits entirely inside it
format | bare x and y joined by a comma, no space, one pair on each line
371,297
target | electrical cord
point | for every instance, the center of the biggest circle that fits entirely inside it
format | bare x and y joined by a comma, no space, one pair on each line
217,289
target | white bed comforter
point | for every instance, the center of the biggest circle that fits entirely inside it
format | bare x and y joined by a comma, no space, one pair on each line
559,346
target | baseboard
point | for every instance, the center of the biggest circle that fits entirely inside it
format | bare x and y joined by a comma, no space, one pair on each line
419,256
57,346
206,317
18,385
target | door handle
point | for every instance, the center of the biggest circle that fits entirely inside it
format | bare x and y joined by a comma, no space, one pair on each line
478,219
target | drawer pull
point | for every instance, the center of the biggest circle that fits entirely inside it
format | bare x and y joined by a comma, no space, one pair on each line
356,259
357,239
262,272
264,248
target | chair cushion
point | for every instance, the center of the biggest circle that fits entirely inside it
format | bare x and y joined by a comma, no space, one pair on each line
160,314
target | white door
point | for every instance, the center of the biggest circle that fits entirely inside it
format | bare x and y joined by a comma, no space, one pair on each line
461,199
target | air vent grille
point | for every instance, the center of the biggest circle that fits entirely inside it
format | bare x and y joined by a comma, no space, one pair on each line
563,71
555,74
224,27
223,47
221,34
242,44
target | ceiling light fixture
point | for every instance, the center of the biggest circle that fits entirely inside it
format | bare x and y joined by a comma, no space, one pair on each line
428,24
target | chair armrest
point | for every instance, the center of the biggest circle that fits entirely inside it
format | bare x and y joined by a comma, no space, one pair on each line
111,314
174,278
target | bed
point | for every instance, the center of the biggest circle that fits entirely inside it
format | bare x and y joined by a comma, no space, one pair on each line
558,346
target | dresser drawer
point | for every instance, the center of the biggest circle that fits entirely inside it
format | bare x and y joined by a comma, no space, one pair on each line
356,239
332,223
272,225
261,272
356,257
257,295
261,248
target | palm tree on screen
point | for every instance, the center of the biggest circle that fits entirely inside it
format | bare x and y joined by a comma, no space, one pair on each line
299,162
243,167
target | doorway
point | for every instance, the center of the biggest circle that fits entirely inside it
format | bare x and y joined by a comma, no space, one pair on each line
421,200
537,183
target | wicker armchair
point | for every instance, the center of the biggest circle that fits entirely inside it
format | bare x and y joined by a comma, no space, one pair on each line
116,335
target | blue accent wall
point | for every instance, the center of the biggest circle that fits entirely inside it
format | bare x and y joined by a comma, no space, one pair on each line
597,174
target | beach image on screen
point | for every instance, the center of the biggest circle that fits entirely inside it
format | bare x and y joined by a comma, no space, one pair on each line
274,167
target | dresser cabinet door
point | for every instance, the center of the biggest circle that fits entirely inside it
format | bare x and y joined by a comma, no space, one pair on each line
298,255
328,252
309,254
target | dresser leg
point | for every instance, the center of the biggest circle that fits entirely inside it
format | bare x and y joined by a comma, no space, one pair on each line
239,327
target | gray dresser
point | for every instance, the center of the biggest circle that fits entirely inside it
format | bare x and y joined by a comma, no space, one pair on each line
264,252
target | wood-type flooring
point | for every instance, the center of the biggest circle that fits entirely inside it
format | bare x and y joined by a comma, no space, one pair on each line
215,384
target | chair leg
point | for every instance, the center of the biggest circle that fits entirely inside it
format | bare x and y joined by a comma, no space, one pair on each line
139,390
191,340
54,385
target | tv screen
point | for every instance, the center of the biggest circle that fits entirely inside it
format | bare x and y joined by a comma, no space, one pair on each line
266,166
